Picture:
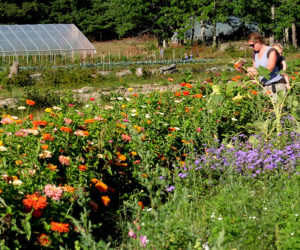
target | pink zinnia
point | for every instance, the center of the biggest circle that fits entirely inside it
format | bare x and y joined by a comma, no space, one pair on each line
143,240
67,121
64,160
132,234
6,120
54,192
126,137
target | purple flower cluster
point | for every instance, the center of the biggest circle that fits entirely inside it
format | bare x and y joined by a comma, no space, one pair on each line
255,156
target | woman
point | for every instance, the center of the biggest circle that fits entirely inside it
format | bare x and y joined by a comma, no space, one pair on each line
266,57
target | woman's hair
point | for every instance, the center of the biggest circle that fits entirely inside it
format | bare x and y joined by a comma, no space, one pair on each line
278,47
255,37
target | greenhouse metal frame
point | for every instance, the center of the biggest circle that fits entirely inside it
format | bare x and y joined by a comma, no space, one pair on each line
43,39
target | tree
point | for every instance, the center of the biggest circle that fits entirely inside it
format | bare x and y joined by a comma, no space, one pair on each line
135,17
23,12
287,15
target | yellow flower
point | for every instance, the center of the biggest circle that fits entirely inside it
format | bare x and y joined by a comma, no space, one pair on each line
238,97
130,89
124,106
134,153
48,110
1,143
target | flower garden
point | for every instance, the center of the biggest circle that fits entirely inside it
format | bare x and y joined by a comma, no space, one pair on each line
192,169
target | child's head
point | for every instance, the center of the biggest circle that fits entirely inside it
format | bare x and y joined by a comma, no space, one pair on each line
278,47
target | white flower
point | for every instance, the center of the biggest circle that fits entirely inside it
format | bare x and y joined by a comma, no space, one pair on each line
21,108
296,215
220,218
149,209
17,182
127,99
133,114
212,215
161,113
176,128
233,119
87,106
144,106
100,156
133,111
148,116
178,101
120,98
108,107
292,234
112,98
33,131
14,117
2,148
56,108
205,246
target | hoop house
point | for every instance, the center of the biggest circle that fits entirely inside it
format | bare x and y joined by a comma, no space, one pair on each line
43,39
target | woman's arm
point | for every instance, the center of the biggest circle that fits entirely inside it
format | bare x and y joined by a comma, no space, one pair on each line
272,61
284,65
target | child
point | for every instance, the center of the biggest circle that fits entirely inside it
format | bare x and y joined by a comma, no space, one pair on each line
282,63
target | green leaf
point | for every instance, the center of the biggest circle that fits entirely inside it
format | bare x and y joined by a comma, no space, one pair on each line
230,87
27,226
262,71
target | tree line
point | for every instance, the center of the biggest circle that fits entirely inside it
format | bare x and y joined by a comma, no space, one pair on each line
106,19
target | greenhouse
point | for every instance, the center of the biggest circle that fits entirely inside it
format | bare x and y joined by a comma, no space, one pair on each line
43,39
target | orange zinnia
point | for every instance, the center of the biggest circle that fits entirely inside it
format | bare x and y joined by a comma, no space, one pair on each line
254,92
30,102
35,201
39,123
59,227
48,137
141,204
105,200
101,187
66,129
189,86
198,95
89,121
177,94
45,147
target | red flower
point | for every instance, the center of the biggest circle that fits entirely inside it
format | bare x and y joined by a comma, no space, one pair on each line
254,92
92,99
44,240
59,227
82,168
185,93
183,84
30,102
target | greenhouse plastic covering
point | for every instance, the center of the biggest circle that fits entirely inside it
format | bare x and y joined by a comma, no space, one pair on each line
43,39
